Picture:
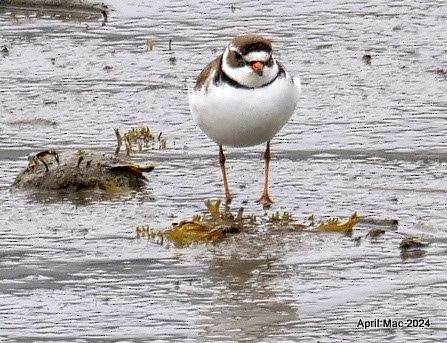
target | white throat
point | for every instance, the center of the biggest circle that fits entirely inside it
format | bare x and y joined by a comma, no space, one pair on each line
246,76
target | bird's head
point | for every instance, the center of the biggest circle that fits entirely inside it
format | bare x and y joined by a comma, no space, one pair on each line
248,60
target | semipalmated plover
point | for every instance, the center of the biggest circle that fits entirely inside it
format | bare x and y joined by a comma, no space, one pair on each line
243,98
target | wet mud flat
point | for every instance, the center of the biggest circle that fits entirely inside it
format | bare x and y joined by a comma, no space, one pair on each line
368,137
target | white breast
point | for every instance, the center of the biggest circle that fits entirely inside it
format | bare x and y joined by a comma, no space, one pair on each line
244,117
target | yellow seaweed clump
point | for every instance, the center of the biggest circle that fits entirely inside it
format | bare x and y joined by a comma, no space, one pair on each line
285,221
334,225
218,222
208,228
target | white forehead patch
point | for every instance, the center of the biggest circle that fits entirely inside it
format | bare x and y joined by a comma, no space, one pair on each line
252,56
231,47
257,56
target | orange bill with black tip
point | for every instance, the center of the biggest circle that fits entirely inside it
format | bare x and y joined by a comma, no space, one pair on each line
257,66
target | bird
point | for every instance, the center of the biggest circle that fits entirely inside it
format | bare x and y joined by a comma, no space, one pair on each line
243,98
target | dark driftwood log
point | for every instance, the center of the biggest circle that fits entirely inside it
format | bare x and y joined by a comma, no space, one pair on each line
64,6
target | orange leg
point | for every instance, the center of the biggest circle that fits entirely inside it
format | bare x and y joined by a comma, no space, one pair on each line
265,199
228,196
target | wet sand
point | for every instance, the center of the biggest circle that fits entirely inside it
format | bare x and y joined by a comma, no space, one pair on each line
366,137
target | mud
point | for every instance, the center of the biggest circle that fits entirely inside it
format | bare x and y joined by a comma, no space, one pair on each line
369,139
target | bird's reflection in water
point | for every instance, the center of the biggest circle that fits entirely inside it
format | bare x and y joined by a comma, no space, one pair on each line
245,304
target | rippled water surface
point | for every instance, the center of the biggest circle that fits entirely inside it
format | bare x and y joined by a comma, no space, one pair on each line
366,138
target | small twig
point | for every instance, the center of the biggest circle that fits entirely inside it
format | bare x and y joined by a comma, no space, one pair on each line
119,142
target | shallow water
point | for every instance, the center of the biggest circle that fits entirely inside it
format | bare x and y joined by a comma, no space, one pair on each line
366,138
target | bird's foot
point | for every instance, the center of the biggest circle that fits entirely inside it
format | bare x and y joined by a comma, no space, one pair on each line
265,200
228,198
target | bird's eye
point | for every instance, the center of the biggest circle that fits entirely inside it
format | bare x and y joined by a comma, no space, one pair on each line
237,56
